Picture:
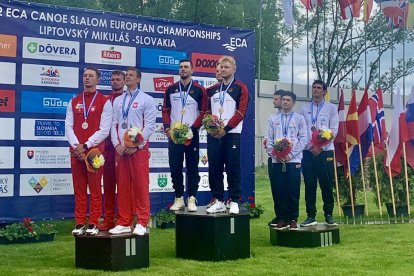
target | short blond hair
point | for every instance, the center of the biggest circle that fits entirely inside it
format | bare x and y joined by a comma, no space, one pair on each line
229,59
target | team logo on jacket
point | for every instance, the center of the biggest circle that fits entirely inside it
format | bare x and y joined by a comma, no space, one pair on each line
135,105
79,106
30,154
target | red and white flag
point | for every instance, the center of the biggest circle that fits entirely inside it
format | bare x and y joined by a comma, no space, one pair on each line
310,4
350,8
340,139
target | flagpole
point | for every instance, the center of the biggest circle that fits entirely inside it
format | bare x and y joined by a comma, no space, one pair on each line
363,179
307,52
293,44
391,183
376,179
337,186
406,180
350,182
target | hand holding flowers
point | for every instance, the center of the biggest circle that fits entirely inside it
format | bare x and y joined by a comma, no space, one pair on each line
94,160
281,150
133,137
212,124
181,133
321,137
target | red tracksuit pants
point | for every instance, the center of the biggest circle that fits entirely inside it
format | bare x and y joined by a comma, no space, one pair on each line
81,180
109,182
132,174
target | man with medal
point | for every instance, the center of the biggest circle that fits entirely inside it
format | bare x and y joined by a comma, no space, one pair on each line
186,102
318,162
228,100
109,176
285,173
87,124
132,125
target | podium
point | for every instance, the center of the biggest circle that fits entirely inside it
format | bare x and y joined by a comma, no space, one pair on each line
318,235
212,237
112,252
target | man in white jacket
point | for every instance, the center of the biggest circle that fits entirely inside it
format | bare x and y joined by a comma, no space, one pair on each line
289,125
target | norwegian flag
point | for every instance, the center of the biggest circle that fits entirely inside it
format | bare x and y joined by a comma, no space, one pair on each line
310,4
376,106
395,12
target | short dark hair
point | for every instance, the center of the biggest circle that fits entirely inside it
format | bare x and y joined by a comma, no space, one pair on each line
324,86
279,92
186,60
290,94
134,69
119,73
98,73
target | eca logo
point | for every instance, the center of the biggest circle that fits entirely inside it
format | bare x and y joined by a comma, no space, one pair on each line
235,43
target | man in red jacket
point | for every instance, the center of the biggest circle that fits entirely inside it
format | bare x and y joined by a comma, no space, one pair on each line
87,124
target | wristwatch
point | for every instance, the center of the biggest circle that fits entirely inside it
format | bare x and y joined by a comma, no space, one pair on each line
85,146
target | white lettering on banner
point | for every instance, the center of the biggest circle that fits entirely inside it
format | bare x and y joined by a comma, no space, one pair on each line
154,41
6,185
131,26
45,184
187,32
54,102
7,123
7,73
42,130
161,182
50,75
6,157
63,32
235,43
111,37
50,49
44,157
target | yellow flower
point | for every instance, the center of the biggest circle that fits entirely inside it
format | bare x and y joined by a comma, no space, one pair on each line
326,134
98,161
278,140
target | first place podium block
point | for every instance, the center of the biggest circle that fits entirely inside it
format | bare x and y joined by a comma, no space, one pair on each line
318,235
112,252
212,237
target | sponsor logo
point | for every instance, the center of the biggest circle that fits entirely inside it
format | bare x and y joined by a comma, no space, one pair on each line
110,54
6,157
49,128
30,154
161,83
235,43
61,50
7,101
159,135
161,59
105,80
45,102
203,158
162,180
42,130
48,75
7,73
8,45
36,185
205,63
206,82
6,185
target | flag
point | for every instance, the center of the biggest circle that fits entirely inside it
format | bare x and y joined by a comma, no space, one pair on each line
350,8
340,139
352,134
409,114
365,131
288,12
310,4
398,134
395,11
409,14
376,106
367,9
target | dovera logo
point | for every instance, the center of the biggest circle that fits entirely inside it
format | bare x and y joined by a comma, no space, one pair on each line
39,48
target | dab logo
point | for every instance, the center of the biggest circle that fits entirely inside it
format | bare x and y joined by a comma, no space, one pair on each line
38,186
162,180
32,47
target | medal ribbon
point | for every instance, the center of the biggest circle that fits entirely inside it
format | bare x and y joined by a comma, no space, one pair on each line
318,110
285,123
86,113
184,94
131,100
223,93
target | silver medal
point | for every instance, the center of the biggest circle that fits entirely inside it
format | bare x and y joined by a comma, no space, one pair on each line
221,110
85,125
124,125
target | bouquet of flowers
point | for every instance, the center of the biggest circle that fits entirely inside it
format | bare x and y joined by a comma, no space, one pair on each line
281,148
321,137
212,123
255,210
181,134
133,137
94,160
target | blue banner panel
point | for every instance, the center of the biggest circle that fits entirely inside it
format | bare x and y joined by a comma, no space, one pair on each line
44,51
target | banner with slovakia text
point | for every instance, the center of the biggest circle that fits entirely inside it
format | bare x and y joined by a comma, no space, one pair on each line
43,52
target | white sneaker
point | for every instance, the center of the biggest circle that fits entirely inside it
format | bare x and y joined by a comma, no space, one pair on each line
234,208
80,229
191,204
92,230
178,204
217,207
212,201
139,230
227,203
119,229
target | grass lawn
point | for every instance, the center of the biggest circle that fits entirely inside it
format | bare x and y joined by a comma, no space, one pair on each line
364,249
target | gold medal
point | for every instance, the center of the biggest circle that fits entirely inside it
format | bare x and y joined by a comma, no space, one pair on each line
183,111
85,125
221,110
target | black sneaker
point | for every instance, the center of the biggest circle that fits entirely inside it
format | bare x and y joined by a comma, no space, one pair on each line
329,221
272,223
293,225
281,225
309,222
